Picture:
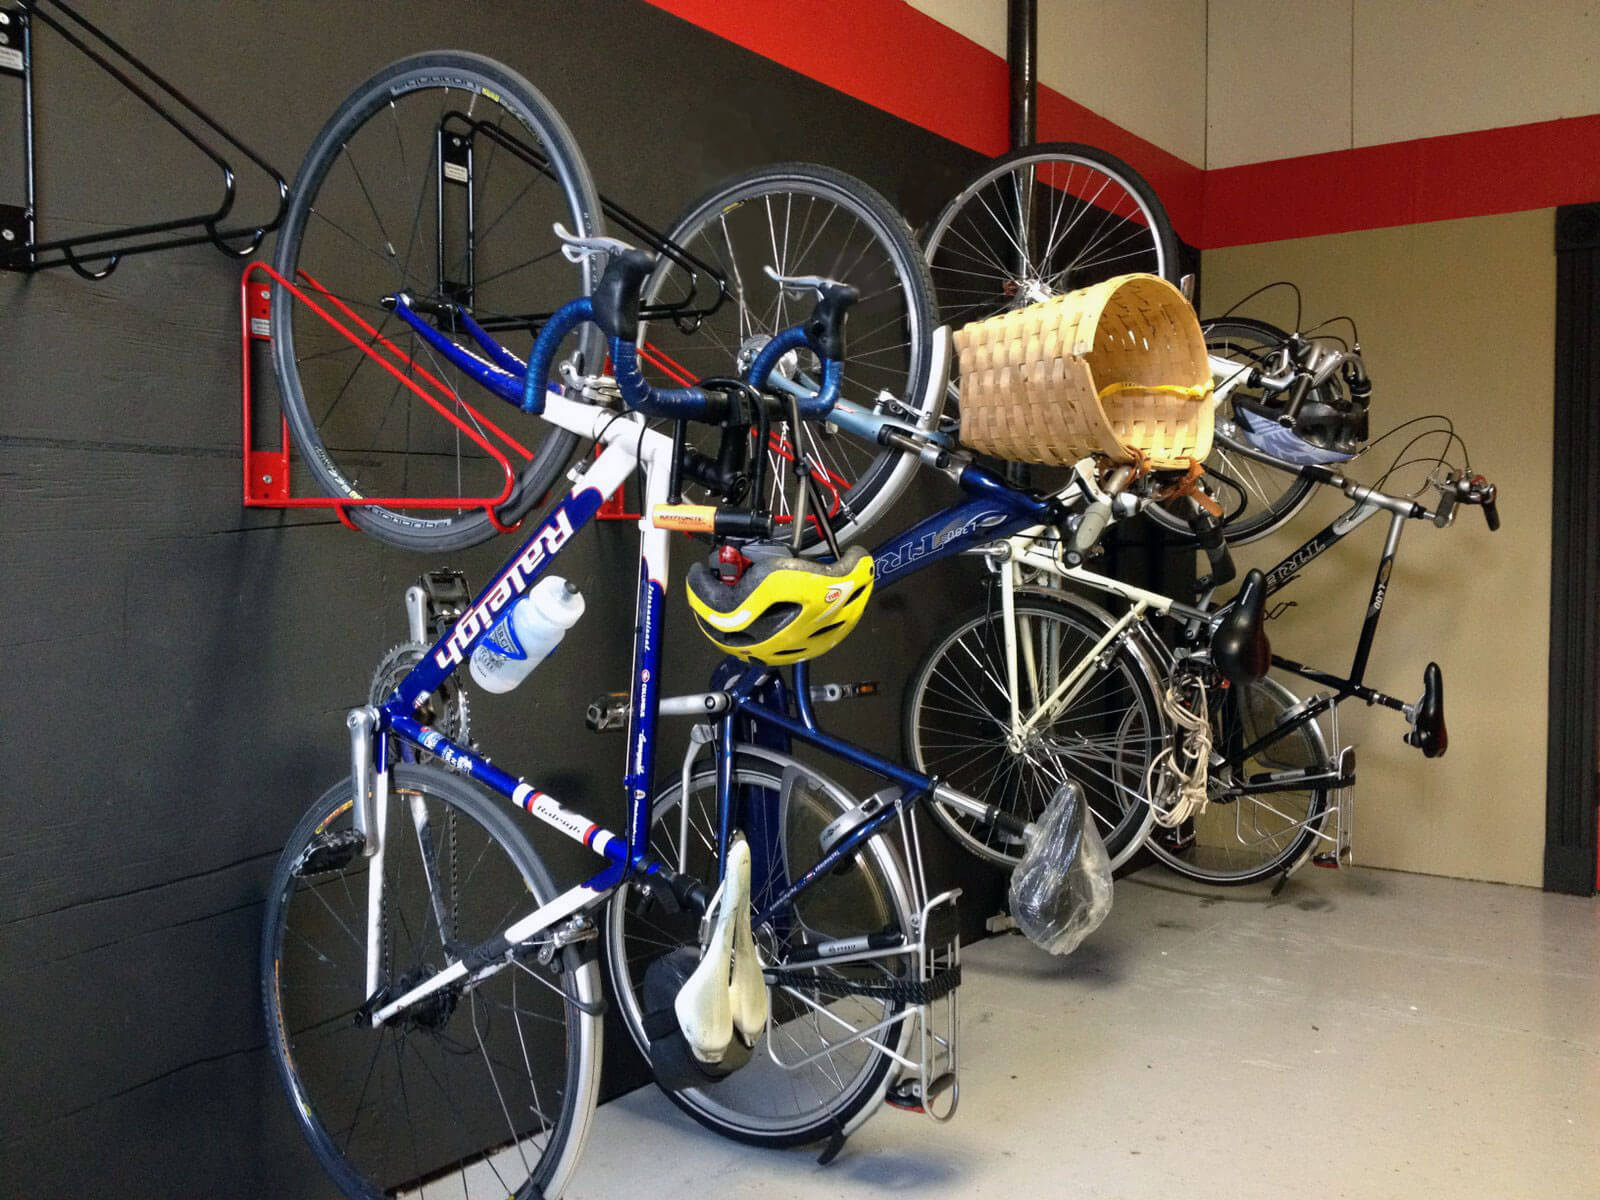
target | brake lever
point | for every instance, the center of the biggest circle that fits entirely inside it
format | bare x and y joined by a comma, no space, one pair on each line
1485,494
575,249
1446,512
801,283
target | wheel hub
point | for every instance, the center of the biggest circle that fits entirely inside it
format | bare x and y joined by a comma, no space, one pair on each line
1023,292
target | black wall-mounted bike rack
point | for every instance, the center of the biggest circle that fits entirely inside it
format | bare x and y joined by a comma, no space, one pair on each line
96,255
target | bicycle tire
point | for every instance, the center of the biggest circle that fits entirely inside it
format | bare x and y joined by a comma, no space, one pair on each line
637,931
1212,854
791,211
358,430
965,260
313,979
1251,507
940,724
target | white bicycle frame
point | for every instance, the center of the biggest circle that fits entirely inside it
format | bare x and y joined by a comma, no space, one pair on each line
628,443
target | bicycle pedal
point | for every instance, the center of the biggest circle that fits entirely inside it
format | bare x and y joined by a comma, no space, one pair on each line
330,852
1328,861
906,1096
449,595
608,714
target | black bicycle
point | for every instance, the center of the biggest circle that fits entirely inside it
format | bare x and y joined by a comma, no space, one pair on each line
1274,782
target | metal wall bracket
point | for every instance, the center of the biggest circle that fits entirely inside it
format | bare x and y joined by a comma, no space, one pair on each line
96,255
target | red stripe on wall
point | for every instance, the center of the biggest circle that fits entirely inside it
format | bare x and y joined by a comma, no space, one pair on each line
896,58
1514,169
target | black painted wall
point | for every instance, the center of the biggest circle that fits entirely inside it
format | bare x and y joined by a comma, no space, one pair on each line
179,667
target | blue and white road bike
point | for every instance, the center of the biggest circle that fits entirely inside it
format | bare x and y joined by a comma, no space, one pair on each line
432,997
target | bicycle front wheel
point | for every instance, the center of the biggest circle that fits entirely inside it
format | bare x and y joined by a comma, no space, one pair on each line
440,177
1043,220
779,1098
1248,838
801,219
1092,721
489,1086
1255,499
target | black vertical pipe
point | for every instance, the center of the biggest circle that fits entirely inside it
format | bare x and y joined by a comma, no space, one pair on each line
1022,54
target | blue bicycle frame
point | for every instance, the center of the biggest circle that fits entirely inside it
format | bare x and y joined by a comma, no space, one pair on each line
755,693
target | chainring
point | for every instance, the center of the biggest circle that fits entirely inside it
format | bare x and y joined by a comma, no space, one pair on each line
445,710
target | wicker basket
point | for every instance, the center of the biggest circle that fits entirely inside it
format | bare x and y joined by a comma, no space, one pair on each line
1118,370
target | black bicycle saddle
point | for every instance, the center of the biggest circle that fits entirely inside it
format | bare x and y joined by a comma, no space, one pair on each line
1239,647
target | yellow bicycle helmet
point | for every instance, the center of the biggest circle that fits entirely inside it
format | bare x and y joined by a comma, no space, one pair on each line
784,609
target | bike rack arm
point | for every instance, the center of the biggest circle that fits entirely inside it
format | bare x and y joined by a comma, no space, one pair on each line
96,255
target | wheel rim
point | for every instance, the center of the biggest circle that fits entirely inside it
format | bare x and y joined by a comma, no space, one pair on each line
1088,223
1102,738
1248,837
468,1091
762,1100
380,215
803,227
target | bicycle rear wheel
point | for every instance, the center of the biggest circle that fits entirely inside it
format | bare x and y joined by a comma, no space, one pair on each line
487,1087
1101,735
766,1103
1255,499
439,177
802,219
1242,839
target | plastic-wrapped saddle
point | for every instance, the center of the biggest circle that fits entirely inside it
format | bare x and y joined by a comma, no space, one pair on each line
1061,890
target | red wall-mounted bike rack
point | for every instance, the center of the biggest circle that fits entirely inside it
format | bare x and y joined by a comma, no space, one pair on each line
266,472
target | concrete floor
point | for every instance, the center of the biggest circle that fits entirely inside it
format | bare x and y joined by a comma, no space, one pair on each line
1365,1034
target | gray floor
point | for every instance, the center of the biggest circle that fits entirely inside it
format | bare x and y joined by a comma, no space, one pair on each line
1366,1034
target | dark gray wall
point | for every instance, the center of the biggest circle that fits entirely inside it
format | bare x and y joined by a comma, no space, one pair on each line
179,666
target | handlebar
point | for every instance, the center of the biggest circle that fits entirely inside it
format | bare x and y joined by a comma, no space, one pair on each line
1467,489
614,307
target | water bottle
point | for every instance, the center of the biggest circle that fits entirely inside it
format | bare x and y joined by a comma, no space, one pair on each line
525,634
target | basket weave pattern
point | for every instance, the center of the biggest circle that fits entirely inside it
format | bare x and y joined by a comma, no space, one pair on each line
1118,370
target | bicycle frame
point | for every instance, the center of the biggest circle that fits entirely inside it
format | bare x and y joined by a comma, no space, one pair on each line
994,510
626,444
1362,511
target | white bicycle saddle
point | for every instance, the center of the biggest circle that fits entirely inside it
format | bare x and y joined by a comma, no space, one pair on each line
726,992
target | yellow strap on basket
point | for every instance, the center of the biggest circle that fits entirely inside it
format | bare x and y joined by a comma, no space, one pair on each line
1198,392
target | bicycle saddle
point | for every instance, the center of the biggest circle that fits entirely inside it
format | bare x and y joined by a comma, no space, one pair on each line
1239,646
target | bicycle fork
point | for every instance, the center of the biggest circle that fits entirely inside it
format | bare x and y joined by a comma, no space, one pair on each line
370,817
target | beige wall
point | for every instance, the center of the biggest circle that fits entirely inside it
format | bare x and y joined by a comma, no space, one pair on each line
1224,82
1347,73
1458,317
1139,63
